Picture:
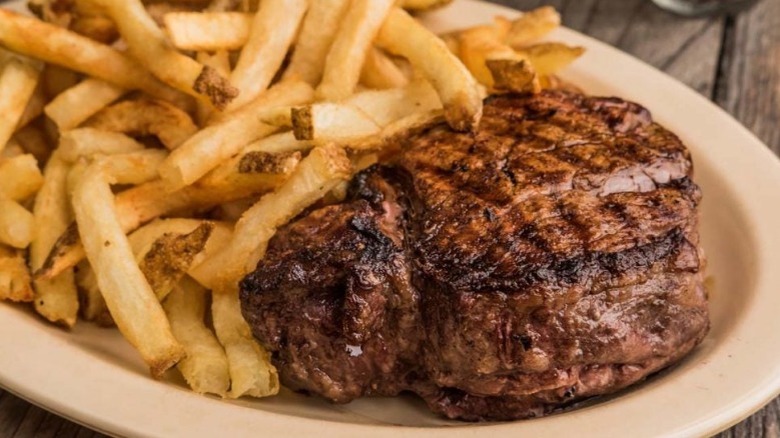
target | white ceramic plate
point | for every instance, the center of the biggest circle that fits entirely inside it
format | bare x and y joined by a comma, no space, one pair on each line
93,377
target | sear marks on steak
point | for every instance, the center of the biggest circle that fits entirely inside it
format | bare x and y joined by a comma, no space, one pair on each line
550,256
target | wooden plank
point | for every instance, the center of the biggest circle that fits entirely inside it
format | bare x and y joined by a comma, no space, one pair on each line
749,87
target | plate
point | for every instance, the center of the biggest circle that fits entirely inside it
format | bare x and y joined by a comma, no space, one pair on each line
92,376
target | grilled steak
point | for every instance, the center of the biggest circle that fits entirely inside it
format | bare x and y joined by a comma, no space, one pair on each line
548,257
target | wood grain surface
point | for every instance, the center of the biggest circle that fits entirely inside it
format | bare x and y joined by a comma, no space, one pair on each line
735,61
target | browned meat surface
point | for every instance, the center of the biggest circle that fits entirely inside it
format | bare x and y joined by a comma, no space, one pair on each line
551,256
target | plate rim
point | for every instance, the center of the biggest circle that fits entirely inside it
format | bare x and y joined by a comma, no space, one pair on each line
108,421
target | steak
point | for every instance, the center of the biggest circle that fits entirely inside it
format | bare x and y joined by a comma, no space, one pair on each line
550,256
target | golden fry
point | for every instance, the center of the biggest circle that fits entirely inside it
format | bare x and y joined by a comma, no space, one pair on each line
459,91
75,105
133,305
59,46
20,178
205,367
56,299
345,59
251,372
380,72
142,117
18,80
533,25
273,29
317,33
319,172
15,282
147,43
218,142
208,31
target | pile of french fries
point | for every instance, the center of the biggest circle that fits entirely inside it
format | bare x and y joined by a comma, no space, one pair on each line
150,150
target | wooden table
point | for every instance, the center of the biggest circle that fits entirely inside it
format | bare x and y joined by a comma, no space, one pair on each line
735,61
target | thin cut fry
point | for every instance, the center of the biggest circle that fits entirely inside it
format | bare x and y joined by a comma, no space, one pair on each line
133,167
319,172
273,30
459,91
550,58
533,25
331,122
59,46
218,142
55,299
149,46
85,142
391,134
317,33
380,72
18,80
513,76
208,31
144,117
75,105
132,303
348,52
205,367
219,61
147,201
424,5
14,277
387,106
20,177
16,224
168,257
481,43
251,372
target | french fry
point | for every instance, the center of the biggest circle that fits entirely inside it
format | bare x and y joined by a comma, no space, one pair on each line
348,52
274,144
317,174
56,299
133,167
392,134
85,142
56,79
380,72
143,117
75,105
16,224
424,5
317,33
533,25
95,27
458,90
34,107
147,201
59,46
251,372
205,367
15,282
274,27
147,43
550,58
18,80
21,177
481,43
208,31
387,106
331,122
513,76
218,142
131,301
166,259
251,167
219,61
